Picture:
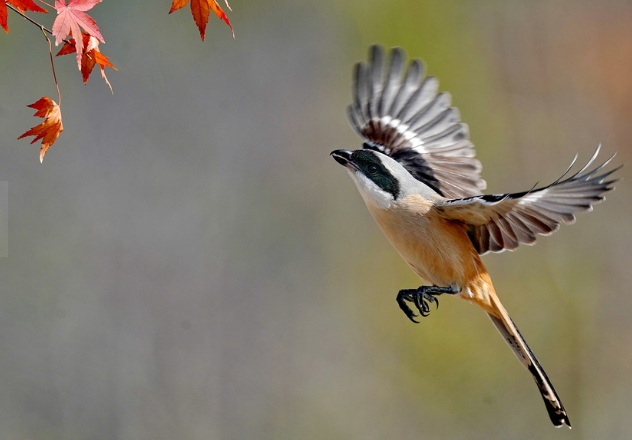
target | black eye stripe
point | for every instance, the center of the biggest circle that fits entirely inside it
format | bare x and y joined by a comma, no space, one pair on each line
368,160
371,166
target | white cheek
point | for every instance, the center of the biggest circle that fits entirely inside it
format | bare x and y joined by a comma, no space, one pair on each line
371,193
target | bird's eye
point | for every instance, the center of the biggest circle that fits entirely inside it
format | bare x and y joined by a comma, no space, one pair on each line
372,169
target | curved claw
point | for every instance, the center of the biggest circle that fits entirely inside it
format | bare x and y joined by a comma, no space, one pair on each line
421,298
412,315
421,306
436,300
425,309
402,297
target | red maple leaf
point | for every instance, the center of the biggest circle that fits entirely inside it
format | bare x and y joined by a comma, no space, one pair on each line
200,10
22,5
49,130
90,57
70,17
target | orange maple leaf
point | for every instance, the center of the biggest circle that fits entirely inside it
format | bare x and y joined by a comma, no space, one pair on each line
49,130
22,5
90,57
70,17
200,10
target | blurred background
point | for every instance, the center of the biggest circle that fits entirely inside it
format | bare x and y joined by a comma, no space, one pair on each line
189,263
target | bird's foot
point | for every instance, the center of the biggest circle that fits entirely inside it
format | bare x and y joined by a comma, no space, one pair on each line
421,298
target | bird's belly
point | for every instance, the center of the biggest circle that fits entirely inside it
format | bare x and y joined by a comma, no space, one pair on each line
437,250
439,263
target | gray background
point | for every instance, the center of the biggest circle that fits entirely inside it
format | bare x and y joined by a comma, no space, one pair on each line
189,263
4,219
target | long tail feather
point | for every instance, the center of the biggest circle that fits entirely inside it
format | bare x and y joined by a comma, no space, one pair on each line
521,349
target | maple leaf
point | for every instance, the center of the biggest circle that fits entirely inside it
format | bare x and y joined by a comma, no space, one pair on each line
22,5
90,57
72,16
49,130
200,10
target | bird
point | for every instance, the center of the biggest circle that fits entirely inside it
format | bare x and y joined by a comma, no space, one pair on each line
418,176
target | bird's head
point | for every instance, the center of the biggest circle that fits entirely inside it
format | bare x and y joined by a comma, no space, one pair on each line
381,180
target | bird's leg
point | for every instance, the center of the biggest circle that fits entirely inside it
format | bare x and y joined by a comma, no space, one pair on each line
422,297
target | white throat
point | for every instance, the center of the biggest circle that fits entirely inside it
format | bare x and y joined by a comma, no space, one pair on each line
371,193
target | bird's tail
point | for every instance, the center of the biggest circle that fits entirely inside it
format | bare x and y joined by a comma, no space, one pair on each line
521,349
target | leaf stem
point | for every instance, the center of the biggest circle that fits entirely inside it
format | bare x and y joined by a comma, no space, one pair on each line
52,63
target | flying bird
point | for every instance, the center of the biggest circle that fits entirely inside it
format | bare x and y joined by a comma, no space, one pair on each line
418,176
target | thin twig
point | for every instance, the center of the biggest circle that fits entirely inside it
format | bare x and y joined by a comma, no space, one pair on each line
26,17
52,63
44,3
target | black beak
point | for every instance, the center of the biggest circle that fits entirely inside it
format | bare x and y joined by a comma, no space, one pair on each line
343,157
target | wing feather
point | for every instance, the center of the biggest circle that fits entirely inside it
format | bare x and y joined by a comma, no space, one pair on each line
504,221
392,84
403,115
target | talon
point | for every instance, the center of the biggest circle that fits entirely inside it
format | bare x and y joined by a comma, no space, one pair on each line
436,301
402,297
421,298
420,304
412,317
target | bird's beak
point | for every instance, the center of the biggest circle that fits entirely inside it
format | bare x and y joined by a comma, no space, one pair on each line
343,157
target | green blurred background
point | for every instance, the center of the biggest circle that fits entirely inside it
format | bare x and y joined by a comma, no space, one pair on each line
189,262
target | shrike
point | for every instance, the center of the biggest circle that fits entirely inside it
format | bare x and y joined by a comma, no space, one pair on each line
418,176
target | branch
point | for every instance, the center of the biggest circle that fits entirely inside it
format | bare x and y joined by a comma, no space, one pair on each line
26,17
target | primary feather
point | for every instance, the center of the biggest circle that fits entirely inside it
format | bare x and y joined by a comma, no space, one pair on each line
504,221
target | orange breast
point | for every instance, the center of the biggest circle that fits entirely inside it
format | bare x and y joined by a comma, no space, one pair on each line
438,250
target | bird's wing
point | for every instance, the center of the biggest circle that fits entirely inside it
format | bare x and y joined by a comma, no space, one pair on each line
401,115
504,221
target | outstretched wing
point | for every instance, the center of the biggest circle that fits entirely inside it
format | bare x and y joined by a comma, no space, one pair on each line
402,115
504,221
